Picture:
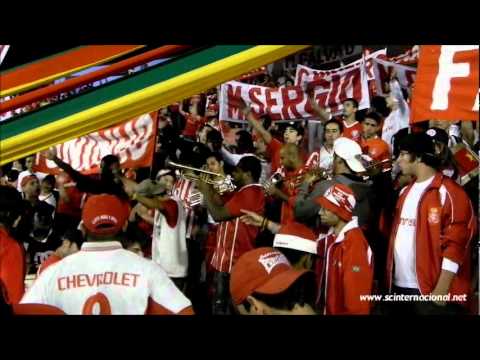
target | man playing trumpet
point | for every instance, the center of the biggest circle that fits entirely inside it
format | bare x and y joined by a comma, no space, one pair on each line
233,236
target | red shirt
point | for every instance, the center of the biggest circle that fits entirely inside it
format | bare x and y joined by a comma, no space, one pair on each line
74,206
234,237
192,123
346,272
273,149
290,187
12,267
353,131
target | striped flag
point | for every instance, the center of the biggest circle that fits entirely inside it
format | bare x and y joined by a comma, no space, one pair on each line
3,52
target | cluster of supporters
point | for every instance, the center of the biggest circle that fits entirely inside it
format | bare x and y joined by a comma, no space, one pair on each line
301,218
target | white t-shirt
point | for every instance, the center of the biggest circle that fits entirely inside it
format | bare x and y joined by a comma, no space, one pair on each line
404,249
397,119
105,278
169,244
49,199
326,158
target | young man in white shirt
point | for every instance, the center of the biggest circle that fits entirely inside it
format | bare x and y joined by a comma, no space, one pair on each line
432,229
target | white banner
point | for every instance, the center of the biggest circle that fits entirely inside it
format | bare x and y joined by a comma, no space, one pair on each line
304,70
133,142
382,70
334,86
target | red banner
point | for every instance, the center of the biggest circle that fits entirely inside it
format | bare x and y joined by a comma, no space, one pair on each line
446,87
133,142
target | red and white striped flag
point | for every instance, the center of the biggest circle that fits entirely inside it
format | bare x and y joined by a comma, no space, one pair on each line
3,52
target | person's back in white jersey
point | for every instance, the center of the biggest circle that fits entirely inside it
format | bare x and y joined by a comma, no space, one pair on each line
103,278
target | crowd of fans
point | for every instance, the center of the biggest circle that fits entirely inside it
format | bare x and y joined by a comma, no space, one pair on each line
323,212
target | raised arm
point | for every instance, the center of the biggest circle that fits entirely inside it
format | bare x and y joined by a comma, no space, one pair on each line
252,120
322,114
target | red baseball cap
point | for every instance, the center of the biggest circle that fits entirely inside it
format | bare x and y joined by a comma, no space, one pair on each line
105,214
264,270
296,236
339,199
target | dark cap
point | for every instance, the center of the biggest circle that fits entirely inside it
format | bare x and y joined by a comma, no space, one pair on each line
296,125
421,145
438,135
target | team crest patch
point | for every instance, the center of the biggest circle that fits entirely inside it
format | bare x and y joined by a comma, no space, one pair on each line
272,259
434,215
356,269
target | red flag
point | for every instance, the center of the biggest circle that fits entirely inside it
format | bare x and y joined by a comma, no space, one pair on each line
446,86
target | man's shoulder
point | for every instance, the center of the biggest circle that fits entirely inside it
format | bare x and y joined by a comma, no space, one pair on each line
8,242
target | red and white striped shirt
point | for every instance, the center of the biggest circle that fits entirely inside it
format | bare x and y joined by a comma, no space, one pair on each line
183,190
234,237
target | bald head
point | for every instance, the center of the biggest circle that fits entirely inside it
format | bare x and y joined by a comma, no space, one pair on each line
290,156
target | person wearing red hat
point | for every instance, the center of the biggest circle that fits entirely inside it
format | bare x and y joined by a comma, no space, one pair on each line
296,241
348,169
345,256
263,282
103,278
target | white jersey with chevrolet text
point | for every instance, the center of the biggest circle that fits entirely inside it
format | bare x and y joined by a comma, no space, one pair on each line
103,278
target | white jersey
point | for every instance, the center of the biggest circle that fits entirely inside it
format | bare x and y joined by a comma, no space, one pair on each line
405,239
397,119
169,244
326,158
103,278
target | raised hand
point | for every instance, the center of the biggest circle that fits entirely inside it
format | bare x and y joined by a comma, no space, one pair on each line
50,154
251,218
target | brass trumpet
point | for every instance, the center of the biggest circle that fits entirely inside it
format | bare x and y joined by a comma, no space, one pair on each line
222,185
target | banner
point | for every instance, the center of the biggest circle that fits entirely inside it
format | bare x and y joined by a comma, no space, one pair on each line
383,69
133,142
334,86
311,73
288,103
446,87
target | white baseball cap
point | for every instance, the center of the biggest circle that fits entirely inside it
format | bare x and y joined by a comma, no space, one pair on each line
349,151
